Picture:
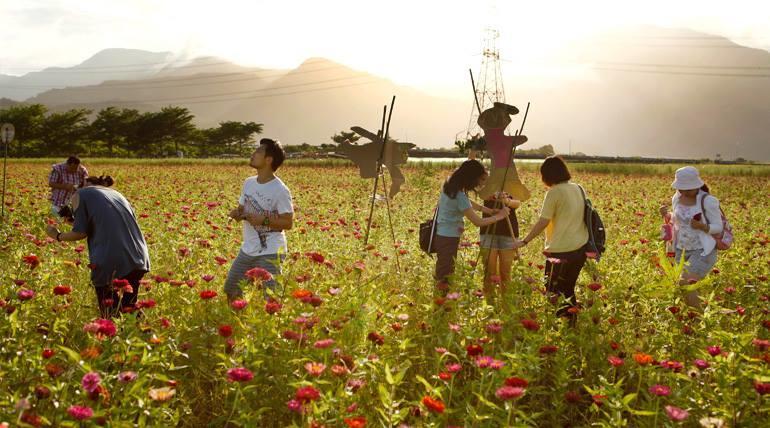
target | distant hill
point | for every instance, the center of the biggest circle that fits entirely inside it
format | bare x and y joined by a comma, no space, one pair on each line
652,92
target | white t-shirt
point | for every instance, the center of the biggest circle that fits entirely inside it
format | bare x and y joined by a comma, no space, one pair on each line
271,198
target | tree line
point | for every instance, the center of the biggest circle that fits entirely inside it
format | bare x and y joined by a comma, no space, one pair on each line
123,132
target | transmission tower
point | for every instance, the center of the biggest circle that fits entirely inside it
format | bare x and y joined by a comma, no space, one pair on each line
489,80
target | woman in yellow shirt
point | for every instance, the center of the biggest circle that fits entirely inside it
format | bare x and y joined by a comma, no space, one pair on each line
566,233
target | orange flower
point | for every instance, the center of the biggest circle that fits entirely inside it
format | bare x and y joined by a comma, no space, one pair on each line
642,359
356,422
91,352
301,293
432,404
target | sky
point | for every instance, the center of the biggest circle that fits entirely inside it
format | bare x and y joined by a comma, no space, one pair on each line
421,43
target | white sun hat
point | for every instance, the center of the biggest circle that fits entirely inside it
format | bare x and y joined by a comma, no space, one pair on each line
687,178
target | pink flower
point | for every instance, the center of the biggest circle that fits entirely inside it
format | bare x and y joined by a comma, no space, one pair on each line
453,367
207,277
660,390
239,374
494,327
714,350
615,361
307,394
484,361
294,406
126,377
91,381
323,343
80,413
25,294
671,365
506,393
315,369
238,304
701,364
676,414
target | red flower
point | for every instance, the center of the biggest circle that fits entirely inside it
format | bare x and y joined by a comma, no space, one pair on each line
474,350
258,274
594,286
307,394
572,397
445,376
356,422
32,260
434,405
62,290
530,325
375,338
48,353
207,277
207,294
615,361
220,260
272,307
714,350
225,330
660,390
315,256
149,303
548,349
239,374
762,388
516,382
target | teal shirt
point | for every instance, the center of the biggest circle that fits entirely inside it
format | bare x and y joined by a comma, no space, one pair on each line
450,214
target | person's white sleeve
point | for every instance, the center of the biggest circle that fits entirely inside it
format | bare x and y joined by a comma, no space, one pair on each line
242,197
714,215
284,205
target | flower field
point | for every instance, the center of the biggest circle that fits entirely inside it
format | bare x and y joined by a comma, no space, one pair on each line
352,341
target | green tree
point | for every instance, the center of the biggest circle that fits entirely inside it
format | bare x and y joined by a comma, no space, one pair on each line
66,132
28,121
344,135
115,127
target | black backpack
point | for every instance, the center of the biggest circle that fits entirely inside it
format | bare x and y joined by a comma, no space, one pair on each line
428,233
597,236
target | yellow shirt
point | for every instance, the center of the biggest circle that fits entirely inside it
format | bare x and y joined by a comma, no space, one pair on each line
564,207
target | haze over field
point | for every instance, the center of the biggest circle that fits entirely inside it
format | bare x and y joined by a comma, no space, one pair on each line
690,79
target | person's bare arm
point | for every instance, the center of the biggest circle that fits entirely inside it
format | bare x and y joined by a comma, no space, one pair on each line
283,221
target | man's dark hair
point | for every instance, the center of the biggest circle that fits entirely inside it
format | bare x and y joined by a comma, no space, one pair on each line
273,149
73,160
554,171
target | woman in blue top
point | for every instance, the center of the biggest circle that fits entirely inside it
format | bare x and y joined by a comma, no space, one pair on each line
453,207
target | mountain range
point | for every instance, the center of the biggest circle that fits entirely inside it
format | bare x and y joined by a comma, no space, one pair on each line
678,93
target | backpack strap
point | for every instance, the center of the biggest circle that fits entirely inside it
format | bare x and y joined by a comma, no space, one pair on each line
703,207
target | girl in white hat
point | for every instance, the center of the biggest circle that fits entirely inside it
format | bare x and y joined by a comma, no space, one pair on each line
693,229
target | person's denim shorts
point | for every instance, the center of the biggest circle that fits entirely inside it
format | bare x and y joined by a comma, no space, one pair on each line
697,264
496,242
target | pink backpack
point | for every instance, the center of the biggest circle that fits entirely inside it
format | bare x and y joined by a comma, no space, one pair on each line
725,238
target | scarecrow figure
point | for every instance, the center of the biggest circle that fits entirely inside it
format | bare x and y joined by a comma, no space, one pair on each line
503,175
365,157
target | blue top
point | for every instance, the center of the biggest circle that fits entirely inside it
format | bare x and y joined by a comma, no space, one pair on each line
450,214
116,246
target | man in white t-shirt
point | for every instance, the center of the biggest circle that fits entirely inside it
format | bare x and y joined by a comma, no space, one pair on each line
266,210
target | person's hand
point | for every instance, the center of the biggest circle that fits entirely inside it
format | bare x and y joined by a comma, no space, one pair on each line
71,187
236,214
663,210
518,243
51,231
695,224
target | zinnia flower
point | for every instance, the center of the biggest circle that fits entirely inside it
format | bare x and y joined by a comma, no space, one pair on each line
315,369
307,394
62,290
530,325
642,359
207,294
516,382
506,393
80,413
258,274
433,404
25,294
356,422
323,343
615,361
162,394
238,304
126,377
225,330
660,390
239,374
91,381
676,414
